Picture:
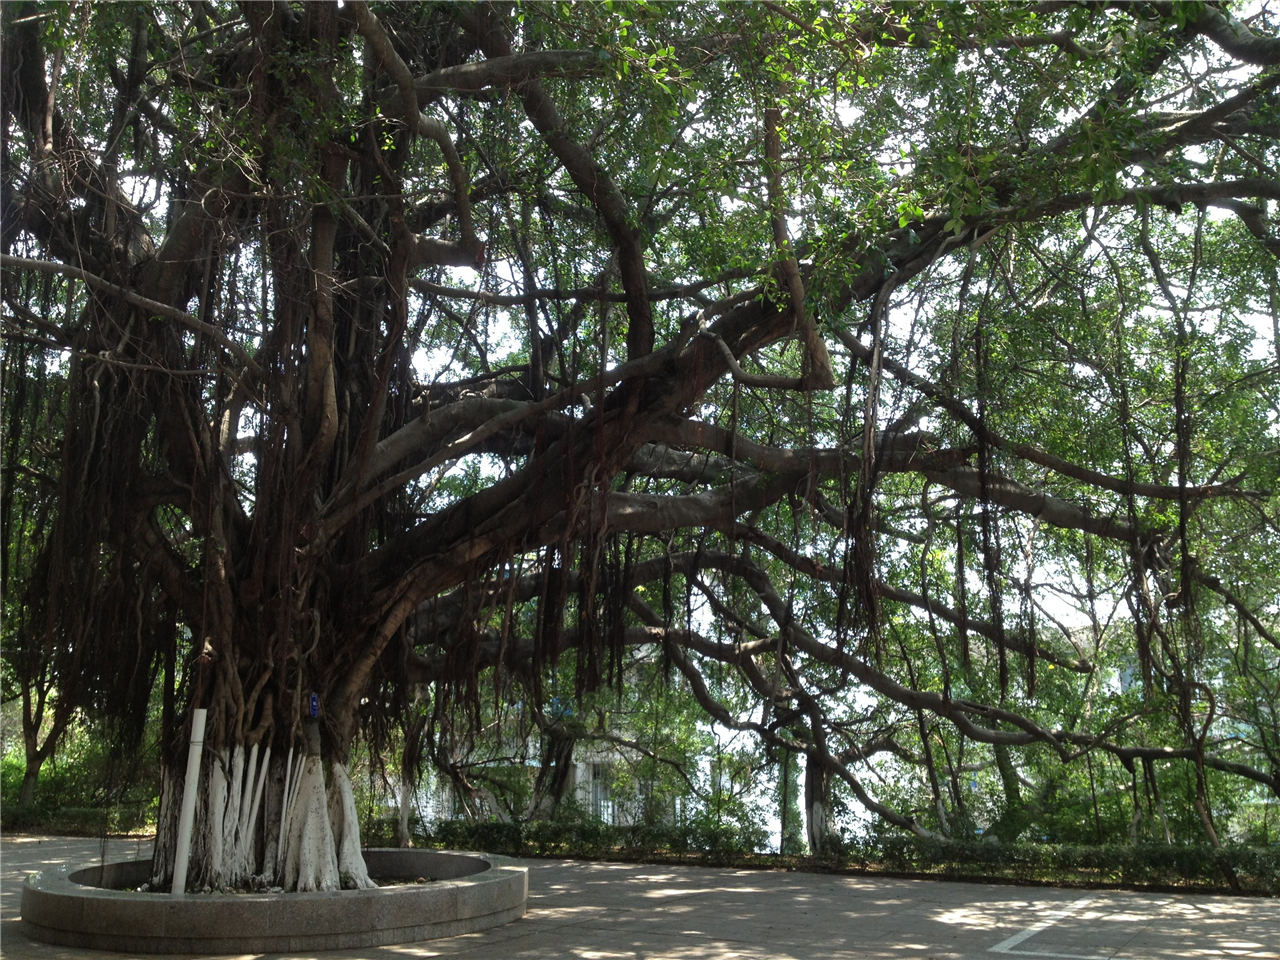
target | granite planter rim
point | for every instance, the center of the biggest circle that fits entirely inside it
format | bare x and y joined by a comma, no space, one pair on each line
473,891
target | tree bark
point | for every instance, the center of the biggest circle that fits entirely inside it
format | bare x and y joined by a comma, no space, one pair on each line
30,780
817,806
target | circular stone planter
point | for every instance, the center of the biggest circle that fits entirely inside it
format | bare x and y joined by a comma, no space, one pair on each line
87,908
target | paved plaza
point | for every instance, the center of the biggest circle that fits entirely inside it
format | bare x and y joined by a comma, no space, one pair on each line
603,911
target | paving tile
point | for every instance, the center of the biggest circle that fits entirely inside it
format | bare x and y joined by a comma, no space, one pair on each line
647,912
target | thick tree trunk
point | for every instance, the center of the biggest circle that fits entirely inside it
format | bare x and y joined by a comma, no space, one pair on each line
345,825
30,780
817,806
1150,772
310,860
36,753
553,778
403,837
1012,820
790,828
410,762
322,839
273,810
241,806
165,846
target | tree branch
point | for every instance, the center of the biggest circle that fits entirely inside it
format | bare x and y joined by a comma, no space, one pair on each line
509,70
594,182
129,296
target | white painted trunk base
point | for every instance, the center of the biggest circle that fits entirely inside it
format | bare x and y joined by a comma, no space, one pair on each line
231,808
215,811
310,860
818,828
345,824
166,843
403,837
259,824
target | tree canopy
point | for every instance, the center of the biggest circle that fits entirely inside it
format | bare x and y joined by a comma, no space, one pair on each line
896,379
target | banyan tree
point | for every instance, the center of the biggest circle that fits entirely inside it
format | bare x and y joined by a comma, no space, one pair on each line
911,368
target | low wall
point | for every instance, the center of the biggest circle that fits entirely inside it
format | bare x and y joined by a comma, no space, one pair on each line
77,908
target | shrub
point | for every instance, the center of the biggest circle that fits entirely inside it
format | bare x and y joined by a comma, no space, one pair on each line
702,839
96,821
1254,869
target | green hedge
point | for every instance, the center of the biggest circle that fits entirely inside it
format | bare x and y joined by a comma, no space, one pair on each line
1254,870
1249,869
84,821
82,791
545,838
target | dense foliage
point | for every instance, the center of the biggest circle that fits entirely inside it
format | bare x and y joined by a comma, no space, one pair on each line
894,385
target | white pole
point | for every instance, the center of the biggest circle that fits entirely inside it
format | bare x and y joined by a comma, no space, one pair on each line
186,821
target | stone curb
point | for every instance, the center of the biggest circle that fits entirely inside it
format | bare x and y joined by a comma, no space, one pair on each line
76,907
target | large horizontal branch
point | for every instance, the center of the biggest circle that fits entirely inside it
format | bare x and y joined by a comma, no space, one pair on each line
822,573
658,461
523,505
720,508
426,433
594,294
721,714
130,296
510,70
348,501
1166,195
1025,732
433,555
905,252
922,35
1255,221
445,253
1237,106
1005,492
1128,754
1025,451
643,513
1231,35
1226,32
487,416
901,451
